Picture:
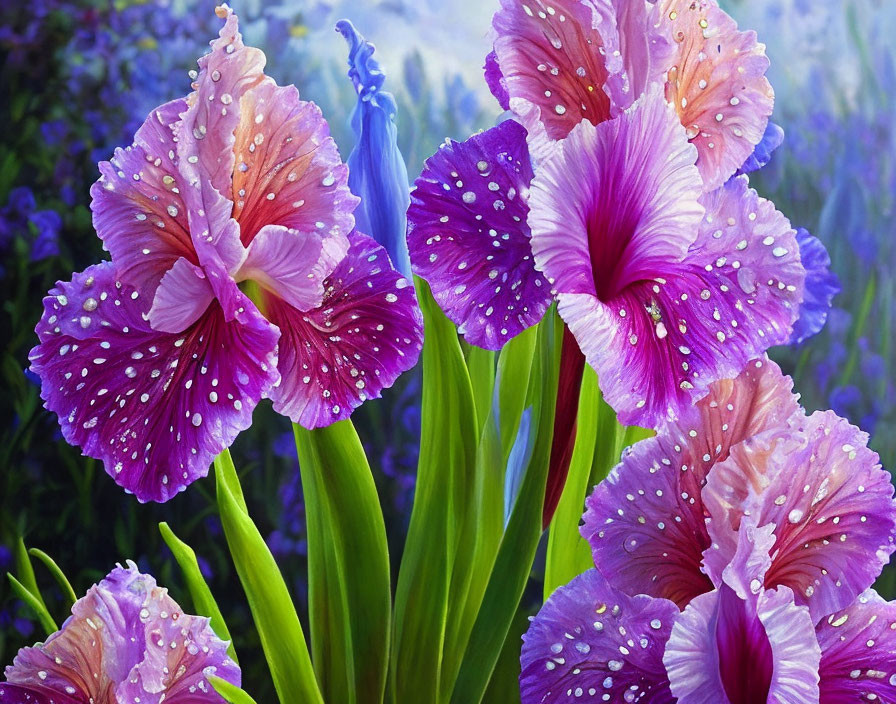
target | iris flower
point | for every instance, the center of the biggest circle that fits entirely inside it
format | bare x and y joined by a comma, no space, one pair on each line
613,190
126,641
730,549
235,275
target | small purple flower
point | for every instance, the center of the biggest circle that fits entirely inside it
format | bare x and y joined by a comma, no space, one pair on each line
821,286
47,224
126,641
762,154
155,361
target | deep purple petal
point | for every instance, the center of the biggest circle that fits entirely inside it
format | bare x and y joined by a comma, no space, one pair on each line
155,407
138,206
591,641
717,83
367,331
468,236
288,171
821,286
828,498
762,154
495,80
556,58
858,652
646,521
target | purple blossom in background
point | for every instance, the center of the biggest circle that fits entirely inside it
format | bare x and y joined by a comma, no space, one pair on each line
154,361
126,640
821,287
729,548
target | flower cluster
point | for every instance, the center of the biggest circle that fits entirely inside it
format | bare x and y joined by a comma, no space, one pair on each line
126,641
236,274
735,551
617,188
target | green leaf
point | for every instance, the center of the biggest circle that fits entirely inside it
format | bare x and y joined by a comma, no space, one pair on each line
443,497
25,570
57,573
481,366
35,603
349,590
276,620
203,601
230,692
518,545
514,369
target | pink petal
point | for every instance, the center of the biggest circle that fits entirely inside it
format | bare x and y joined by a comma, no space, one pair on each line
646,522
717,83
155,407
741,644
590,641
828,498
138,207
291,264
182,297
288,170
556,57
365,333
858,653
468,236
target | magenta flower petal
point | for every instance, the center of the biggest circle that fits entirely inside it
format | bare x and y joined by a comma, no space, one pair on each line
647,52
646,522
858,653
154,407
555,58
183,295
126,640
367,331
659,315
138,206
742,644
292,264
828,498
468,236
717,83
288,171
591,641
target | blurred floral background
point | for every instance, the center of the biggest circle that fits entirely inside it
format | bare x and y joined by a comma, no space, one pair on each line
77,77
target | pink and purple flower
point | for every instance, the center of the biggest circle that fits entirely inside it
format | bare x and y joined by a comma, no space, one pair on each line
235,275
126,641
612,189
757,531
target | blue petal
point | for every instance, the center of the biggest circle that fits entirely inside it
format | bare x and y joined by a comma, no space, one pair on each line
821,287
517,461
377,172
762,154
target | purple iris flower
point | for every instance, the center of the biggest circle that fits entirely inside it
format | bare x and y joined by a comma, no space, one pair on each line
45,243
377,172
729,550
610,190
126,641
236,275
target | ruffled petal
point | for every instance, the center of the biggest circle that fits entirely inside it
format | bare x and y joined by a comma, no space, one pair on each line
828,498
647,52
741,644
591,641
495,80
646,522
155,407
468,235
858,652
717,83
617,202
138,207
821,286
112,647
367,331
288,171
292,264
556,57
